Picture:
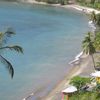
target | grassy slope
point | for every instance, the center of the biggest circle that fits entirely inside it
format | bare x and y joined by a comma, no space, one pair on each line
86,96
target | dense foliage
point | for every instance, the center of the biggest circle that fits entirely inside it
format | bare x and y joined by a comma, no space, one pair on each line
98,19
8,0
86,96
97,41
88,46
54,1
79,82
95,18
90,3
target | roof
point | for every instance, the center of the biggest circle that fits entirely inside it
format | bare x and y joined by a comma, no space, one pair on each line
96,74
70,89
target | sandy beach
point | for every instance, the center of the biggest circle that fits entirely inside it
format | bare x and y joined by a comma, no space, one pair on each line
83,68
74,6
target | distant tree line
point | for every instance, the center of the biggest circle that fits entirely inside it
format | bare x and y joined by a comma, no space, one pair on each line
63,2
9,0
90,3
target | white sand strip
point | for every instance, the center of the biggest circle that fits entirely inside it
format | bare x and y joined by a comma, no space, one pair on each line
85,9
77,7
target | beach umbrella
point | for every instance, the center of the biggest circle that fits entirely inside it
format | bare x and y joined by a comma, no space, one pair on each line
96,75
68,91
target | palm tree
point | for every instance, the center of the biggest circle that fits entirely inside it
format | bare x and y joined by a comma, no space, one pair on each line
3,39
88,46
98,19
92,1
97,41
93,17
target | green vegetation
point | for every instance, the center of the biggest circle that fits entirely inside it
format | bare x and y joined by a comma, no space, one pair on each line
91,45
91,42
79,82
9,0
97,88
98,19
88,46
90,3
97,41
95,18
3,40
85,96
63,2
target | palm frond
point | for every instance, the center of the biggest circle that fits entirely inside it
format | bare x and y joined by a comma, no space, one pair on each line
4,36
9,32
14,47
87,44
8,65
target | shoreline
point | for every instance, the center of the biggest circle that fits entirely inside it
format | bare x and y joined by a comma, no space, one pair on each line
79,69
83,9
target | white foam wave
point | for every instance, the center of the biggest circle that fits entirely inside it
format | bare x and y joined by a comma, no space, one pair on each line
77,59
30,95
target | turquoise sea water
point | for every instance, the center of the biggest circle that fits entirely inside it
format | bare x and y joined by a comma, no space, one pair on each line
50,36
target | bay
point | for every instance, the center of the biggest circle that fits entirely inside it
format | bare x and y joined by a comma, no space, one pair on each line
50,36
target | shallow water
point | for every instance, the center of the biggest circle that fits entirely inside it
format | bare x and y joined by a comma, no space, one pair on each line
50,36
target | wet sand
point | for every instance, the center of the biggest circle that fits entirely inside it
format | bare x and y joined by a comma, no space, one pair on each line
84,68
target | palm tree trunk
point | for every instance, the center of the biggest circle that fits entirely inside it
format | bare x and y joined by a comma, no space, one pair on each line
93,61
